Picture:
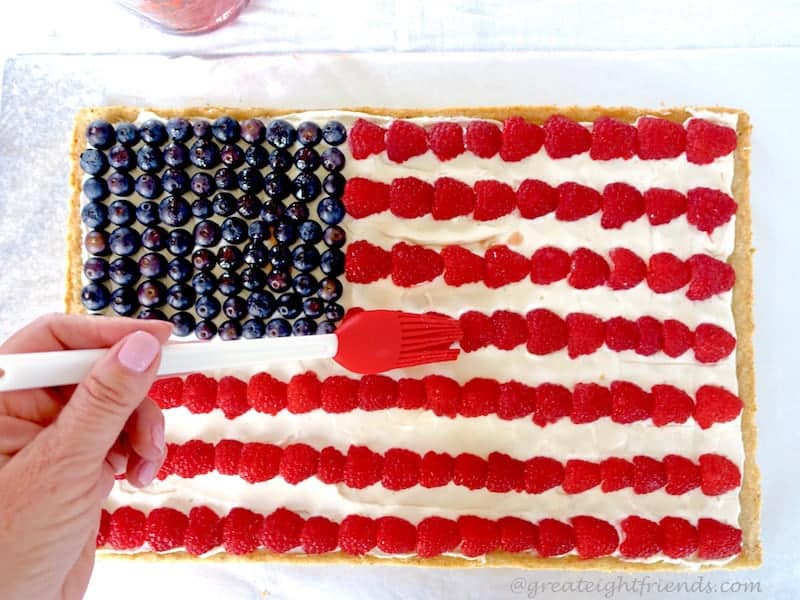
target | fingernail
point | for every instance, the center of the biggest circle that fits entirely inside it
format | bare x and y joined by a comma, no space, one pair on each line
146,472
157,435
139,351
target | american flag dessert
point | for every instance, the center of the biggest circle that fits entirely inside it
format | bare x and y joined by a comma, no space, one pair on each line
601,413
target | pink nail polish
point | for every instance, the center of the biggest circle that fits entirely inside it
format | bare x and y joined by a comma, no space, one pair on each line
157,435
139,351
146,472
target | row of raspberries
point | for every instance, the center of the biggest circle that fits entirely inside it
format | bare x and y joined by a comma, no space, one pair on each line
399,469
650,139
618,203
243,531
410,265
623,402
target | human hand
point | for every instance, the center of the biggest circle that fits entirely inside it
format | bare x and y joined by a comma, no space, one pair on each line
60,449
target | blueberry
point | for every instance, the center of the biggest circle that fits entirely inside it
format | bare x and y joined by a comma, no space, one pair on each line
147,186
304,284
203,259
330,210
280,133
124,301
231,155
95,269
252,131
152,265
254,279
121,212
310,231
123,271
121,157
180,296
127,134
206,233
334,312
224,204
174,211
289,305
306,159
260,304
154,238
253,329
305,258
124,241
230,330
285,232
180,242
229,283
234,307
248,206
278,328
306,187
326,327
272,211
96,243
256,156
277,185
334,236
278,280
204,283
334,133
225,178
207,307
119,184
332,262
204,154
100,134
151,314
151,293
95,188
179,129
179,269
182,323
313,307
202,184
309,133
225,129
176,155
280,257
297,212
94,215
205,330
333,160
304,326
330,289
93,162
250,180
255,254
229,257
201,128
280,160
153,131
333,184
147,213
258,231
149,159
234,230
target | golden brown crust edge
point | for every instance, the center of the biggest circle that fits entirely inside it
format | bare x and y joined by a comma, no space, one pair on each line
741,260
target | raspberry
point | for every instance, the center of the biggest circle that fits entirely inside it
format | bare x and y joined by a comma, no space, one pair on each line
204,531
594,537
303,393
629,402
648,475
586,334
564,137
670,405
298,462
555,538
166,528
461,266
715,405
435,469
479,397
682,474
357,534
621,334
281,531
589,269
410,197
102,529
126,528
331,465
590,402
478,536
232,397
535,199
227,456
553,402
549,265
199,393
708,209
628,270
436,535
622,203
266,394
580,475
576,201
678,338
377,392
642,538
167,392
405,140
548,332
706,141
364,197
542,473
366,262
319,535
712,343
509,329
446,140
259,462
469,471
414,264
613,139
710,276
362,467
338,394
167,466
517,535
651,336
666,273
718,475
443,394
366,138
515,400
483,139
717,540
400,469
193,458
679,537
504,266
504,474
520,139
476,329
659,138
616,474
411,394
395,535
451,199
493,199
663,206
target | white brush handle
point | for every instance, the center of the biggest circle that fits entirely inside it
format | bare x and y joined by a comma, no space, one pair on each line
46,369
